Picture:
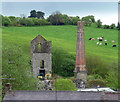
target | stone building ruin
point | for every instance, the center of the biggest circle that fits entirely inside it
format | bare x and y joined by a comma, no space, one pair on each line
41,56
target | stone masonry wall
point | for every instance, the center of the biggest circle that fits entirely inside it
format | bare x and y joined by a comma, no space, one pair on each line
36,59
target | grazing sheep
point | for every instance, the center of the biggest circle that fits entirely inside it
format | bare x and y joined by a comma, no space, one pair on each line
97,43
98,38
90,38
113,41
105,43
100,44
114,45
105,40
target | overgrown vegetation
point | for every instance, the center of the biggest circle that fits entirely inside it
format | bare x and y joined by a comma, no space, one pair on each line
96,83
64,85
63,63
17,67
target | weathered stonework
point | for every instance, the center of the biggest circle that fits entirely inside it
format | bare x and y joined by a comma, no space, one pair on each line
44,55
80,68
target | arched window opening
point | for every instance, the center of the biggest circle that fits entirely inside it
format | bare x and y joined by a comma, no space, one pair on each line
39,48
42,64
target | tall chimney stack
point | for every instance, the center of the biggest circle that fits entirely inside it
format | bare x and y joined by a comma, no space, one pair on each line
80,68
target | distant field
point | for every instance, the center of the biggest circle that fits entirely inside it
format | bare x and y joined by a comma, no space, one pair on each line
64,37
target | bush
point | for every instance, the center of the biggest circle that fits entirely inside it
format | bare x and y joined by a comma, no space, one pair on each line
106,26
74,20
99,23
96,83
6,21
64,85
63,63
67,67
56,18
19,25
43,22
29,22
112,26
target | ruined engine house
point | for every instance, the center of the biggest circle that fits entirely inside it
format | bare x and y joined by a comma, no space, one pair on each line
41,56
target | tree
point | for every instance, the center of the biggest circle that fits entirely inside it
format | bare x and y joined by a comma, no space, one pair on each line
106,26
56,18
118,26
87,21
6,21
22,21
40,14
12,18
29,22
112,26
92,18
74,20
33,14
98,23
66,19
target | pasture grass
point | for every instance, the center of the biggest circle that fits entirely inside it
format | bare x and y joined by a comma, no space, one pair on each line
64,37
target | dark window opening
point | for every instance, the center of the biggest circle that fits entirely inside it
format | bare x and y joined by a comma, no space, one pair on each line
41,74
42,64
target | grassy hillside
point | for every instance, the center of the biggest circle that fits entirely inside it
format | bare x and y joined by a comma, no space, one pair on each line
101,60
64,37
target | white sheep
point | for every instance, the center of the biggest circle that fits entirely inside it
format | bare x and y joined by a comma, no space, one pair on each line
100,44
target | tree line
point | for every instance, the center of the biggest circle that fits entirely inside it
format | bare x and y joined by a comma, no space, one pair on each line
36,18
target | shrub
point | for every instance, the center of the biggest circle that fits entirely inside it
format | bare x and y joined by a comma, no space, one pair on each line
90,77
29,22
22,21
43,22
67,67
98,23
64,85
6,21
106,26
18,25
63,63
96,83
112,26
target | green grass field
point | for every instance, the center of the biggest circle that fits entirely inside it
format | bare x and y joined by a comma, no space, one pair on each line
64,37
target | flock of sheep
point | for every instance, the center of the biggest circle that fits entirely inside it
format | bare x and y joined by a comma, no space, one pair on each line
100,41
